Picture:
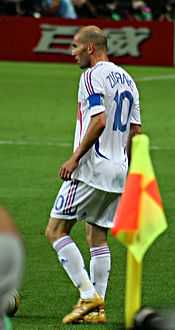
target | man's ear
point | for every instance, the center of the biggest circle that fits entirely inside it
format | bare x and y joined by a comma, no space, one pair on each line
91,48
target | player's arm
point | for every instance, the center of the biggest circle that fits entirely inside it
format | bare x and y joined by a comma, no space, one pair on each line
95,129
134,130
135,123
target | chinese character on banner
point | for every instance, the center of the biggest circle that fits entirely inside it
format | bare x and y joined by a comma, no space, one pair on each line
55,39
126,41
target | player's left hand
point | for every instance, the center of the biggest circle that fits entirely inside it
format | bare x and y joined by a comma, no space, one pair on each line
67,169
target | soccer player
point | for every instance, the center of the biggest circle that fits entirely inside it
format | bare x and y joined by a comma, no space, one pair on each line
94,176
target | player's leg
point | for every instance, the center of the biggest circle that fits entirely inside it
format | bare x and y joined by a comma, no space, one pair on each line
100,263
100,266
58,233
99,221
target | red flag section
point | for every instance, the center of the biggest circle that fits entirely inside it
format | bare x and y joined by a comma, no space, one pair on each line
139,218
127,217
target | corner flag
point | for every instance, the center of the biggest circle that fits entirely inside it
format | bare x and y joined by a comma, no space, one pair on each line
139,218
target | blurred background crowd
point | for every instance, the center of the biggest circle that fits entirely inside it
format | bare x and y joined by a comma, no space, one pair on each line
109,9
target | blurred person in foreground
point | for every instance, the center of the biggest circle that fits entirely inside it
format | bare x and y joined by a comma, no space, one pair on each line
11,263
94,176
148,318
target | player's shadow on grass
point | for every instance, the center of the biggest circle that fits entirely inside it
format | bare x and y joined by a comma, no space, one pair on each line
54,321
36,317
106,326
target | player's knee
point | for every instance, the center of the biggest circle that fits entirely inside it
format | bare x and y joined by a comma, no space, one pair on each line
48,233
95,240
95,235
51,234
88,239
57,228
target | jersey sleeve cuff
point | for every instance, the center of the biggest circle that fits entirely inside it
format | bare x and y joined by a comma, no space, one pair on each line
97,109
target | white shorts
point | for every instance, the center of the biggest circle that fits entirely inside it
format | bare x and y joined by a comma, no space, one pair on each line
78,201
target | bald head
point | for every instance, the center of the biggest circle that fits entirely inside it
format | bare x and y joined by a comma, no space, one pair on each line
95,35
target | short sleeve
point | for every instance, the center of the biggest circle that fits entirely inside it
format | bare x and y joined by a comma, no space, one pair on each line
94,84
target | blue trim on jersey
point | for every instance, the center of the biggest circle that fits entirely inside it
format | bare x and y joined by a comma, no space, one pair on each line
97,146
95,99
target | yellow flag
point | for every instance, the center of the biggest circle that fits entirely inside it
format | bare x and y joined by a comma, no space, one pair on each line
138,221
139,218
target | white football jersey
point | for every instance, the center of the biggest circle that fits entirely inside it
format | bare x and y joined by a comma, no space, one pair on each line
106,87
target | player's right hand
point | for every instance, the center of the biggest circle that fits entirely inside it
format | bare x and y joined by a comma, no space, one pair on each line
67,169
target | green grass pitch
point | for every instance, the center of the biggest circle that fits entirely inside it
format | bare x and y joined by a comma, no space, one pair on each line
37,119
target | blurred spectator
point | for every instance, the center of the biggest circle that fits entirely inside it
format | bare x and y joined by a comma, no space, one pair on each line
158,8
170,10
106,9
30,7
103,8
131,9
121,10
141,11
114,9
10,7
84,8
61,8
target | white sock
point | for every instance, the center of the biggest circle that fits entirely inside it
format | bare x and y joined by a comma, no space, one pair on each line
72,262
100,266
